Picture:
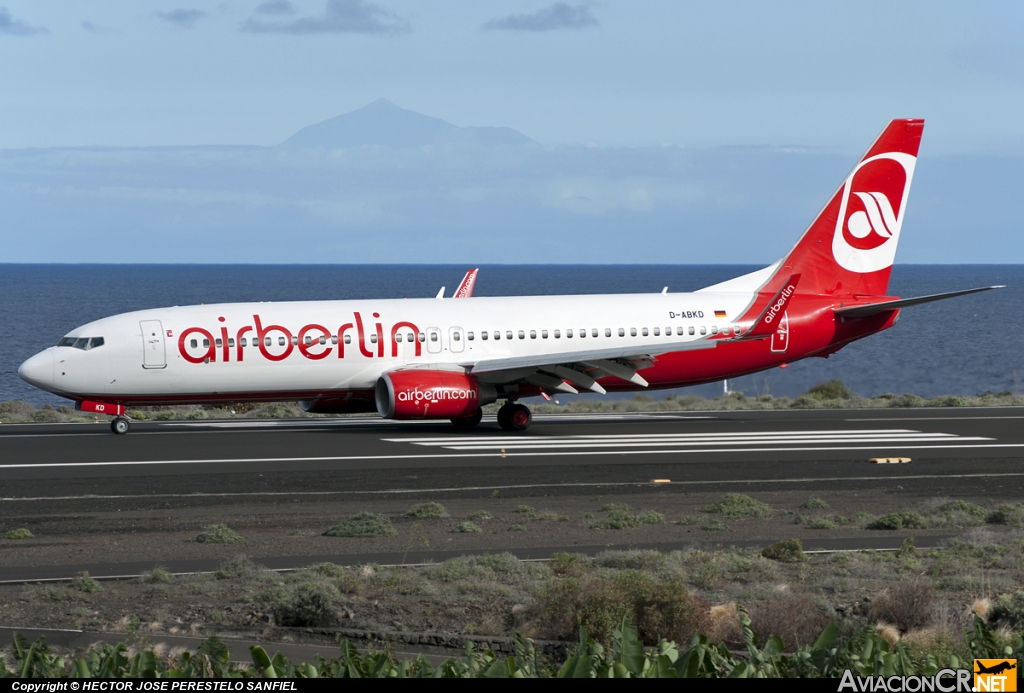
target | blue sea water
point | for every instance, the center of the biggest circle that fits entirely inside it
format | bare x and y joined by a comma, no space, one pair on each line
961,346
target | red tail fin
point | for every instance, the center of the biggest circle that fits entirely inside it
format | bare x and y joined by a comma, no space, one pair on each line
849,249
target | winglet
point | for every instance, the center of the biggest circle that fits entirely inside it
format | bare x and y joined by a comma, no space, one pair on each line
465,289
767,323
440,294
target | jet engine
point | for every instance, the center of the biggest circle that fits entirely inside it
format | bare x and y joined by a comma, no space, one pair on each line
428,394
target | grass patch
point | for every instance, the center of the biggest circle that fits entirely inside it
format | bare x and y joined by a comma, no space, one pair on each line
516,528
217,534
157,576
527,510
823,524
814,504
20,533
786,551
714,526
894,521
737,505
689,520
363,525
1005,514
621,517
83,583
481,515
467,528
429,510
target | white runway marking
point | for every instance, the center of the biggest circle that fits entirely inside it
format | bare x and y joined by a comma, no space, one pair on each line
688,440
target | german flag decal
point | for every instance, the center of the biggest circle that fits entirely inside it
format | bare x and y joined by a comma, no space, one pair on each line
719,313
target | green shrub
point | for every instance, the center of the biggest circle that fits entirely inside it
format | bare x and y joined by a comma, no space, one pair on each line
912,520
194,414
217,534
814,504
833,389
363,525
1005,514
527,510
481,515
907,400
137,415
429,510
953,401
307,604
823,524
736,505
568,564
689,520
46,416
893,521
661,608
20,533
516,528
786,551
158,575
714,526
84,583
1008,611
620,518
467,528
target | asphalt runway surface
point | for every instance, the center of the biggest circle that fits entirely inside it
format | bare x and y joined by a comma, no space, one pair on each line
952,451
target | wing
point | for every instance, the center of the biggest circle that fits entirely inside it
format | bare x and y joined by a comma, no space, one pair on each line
565,371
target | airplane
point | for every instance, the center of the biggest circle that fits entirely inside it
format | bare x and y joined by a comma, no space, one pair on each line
440,359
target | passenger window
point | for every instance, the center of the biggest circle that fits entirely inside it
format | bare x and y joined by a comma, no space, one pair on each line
409,337
558,334
206,343
323,339
267,341
455,336
231,341
508,334
691,329
568,334
622,332
483,335
398,336
632,332
607,332
295,340
714,329
281,341
583,333
645,332
533,334
497,336
657,331
433,336
244,342
420,336
307,340
469,336
348,339
193,343
543,334
679,330
522,335
703,330
593,332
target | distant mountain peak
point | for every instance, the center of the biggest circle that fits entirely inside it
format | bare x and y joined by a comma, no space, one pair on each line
383,123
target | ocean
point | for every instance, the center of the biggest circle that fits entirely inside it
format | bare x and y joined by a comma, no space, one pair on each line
962,346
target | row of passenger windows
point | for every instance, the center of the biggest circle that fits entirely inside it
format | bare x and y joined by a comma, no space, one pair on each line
471,336
83,343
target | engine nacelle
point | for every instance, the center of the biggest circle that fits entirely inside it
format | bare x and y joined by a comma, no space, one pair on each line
427,394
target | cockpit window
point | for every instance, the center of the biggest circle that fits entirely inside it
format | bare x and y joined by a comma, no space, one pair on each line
83,343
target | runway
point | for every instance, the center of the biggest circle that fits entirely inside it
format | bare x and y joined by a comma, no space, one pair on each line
79,483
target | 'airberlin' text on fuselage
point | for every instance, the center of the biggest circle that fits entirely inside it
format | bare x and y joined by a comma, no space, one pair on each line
779,304
314,341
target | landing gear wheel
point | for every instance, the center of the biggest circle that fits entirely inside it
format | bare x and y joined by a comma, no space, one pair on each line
120,425
514,417
468,422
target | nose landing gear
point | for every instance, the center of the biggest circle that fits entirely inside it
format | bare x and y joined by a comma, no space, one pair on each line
120,425
514,417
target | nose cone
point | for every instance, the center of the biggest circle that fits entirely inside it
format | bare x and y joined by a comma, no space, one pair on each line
38,370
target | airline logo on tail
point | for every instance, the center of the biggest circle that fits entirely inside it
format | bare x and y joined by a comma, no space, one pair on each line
871,212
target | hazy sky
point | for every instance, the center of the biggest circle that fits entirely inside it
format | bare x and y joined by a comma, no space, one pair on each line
642,72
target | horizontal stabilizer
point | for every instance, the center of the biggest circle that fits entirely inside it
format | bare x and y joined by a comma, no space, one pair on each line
864,311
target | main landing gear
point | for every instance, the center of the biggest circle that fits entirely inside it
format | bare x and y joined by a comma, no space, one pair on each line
514,417
120,425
